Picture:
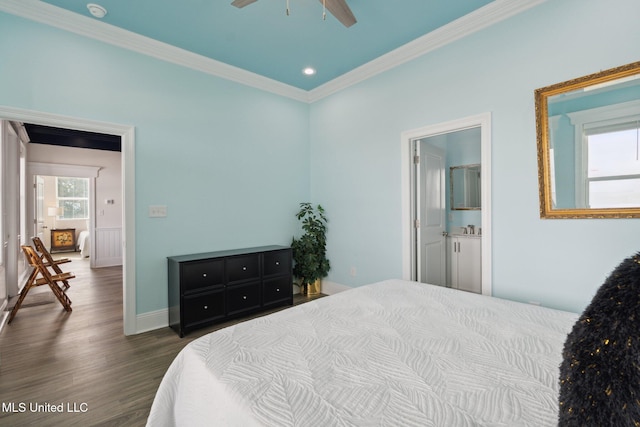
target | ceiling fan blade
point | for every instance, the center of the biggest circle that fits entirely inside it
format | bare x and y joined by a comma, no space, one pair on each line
341,11
242,3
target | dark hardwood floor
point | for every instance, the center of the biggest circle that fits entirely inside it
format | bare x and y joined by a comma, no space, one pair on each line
81,362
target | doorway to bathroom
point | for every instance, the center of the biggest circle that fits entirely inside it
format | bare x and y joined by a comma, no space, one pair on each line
438,235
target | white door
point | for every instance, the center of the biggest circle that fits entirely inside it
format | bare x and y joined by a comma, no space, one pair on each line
11,208
39,206
431,214
4,242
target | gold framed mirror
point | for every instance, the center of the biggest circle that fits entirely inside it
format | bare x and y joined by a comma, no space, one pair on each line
588,133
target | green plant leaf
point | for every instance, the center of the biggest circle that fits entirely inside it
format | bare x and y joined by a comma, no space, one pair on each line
309,250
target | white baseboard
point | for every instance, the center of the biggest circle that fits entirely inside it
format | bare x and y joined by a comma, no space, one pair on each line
108,262
151,320
330,288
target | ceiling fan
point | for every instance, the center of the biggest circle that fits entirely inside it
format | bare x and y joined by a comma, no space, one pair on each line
338,8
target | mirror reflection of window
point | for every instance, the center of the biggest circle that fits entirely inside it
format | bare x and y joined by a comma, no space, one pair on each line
613,170
577,177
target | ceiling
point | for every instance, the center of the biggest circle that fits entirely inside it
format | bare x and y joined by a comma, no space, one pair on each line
262,39
259,45
39,134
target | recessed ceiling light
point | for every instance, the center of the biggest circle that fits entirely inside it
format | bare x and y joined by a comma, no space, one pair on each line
309,71
97,10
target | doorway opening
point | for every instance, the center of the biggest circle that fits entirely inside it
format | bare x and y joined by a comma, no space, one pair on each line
422,255
65,202
62,203
127,137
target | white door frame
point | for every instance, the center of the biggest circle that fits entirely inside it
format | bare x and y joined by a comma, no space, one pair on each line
127,135
407,195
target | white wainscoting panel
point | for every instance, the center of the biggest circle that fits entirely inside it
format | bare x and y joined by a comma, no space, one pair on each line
108,247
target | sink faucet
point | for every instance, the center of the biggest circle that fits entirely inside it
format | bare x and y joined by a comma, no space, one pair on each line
472,229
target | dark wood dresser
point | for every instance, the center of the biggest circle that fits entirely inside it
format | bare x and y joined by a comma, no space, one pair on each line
63,240
212,287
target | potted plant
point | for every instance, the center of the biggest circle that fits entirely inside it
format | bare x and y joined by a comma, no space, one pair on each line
309,251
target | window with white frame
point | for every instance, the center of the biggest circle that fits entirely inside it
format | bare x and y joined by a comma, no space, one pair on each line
607,156
613,165
72,195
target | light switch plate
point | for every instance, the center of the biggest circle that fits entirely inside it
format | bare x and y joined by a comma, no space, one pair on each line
157,211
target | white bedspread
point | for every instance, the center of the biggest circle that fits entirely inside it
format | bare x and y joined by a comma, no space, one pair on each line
394,353
84,243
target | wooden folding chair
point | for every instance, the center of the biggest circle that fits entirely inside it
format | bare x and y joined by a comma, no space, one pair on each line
46,278
48,260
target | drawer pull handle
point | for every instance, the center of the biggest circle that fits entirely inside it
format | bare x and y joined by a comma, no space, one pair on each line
277,262
244,297
277,289
244,268
206,307
204,275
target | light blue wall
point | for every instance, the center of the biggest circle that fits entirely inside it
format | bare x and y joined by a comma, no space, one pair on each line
230,162
356,165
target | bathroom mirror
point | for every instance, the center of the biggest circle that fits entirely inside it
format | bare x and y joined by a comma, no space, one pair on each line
465,187
588,133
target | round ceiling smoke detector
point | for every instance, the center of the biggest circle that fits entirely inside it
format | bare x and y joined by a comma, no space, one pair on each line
97,10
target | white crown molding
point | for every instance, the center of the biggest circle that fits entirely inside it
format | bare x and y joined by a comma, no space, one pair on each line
89,27
46,13
484,17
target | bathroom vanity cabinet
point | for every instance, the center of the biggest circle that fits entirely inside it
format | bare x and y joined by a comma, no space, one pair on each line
465,262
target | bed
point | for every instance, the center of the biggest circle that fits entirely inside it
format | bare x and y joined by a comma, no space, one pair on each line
84,244
390,353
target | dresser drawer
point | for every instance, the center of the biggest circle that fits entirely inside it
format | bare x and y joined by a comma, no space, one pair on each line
211,287
201,274
276,290
277,262
243,298
241,268
203,307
